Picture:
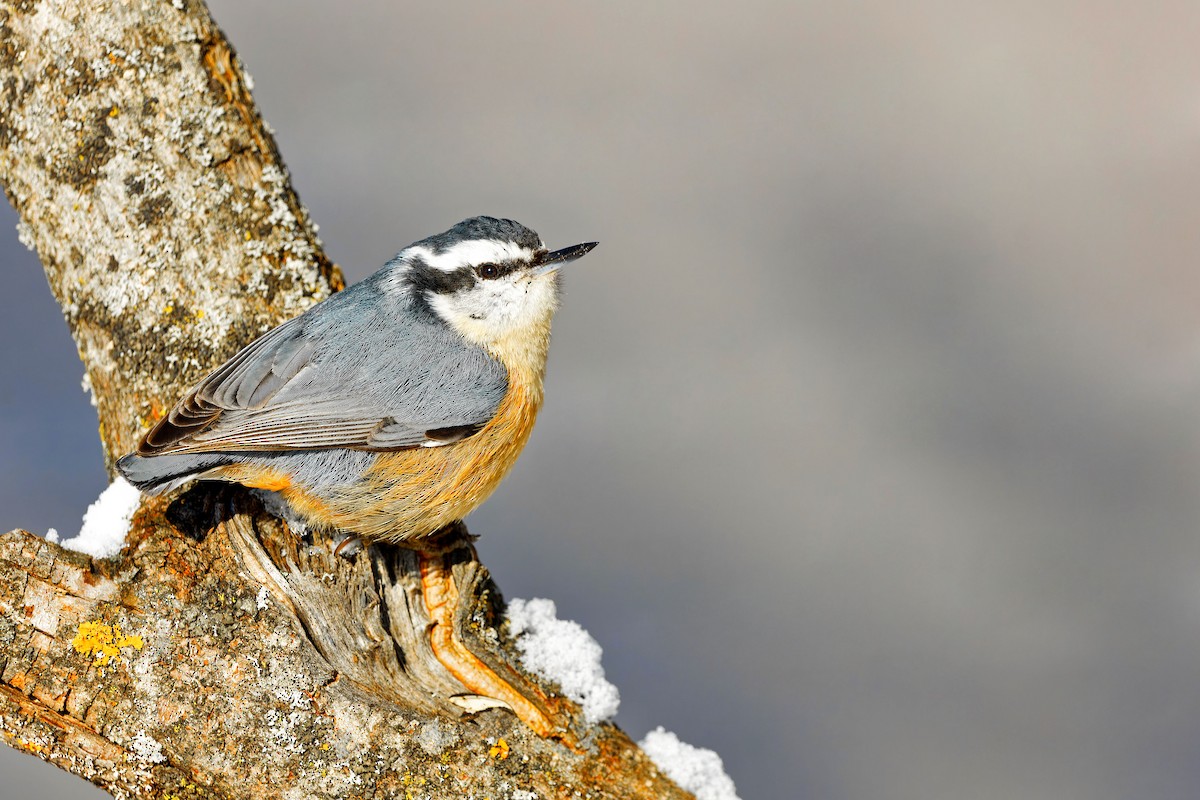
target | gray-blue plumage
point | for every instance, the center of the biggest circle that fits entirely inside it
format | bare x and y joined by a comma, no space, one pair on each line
368,369
360,369
443,348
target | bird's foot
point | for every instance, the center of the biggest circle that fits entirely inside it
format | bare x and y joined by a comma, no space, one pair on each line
348,546
441,601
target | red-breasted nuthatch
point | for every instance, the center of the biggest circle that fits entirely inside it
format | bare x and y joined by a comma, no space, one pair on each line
391,409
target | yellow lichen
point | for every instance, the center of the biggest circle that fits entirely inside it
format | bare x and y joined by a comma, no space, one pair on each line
105,641
499,750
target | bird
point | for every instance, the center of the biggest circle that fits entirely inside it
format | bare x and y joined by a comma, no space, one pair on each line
388,410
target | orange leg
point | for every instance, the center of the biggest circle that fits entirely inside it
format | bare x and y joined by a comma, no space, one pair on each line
441,599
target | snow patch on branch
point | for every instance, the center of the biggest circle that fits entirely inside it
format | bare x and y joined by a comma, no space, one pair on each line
106,521
696,769
562,651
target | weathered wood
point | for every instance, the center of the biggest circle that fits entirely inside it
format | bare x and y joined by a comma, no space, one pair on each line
221,655
242,685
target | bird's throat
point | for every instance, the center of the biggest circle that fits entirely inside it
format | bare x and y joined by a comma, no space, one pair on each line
523,355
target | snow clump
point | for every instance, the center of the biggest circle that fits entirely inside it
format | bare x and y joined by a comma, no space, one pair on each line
106,521
696,769
562,651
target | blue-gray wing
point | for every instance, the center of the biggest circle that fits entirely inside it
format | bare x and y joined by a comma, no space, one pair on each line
353,372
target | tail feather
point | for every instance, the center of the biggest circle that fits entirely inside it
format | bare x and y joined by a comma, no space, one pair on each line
158,474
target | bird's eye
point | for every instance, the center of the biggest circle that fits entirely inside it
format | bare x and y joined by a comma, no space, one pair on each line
488,271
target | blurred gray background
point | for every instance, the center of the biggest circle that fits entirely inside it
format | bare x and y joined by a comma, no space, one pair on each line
870,452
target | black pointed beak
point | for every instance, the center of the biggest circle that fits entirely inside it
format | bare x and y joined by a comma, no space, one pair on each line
554,261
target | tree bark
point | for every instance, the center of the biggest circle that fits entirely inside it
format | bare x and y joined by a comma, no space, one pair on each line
220,655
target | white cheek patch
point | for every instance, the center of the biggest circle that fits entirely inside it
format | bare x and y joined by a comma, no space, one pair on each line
494,309
489,301
473,314
464,254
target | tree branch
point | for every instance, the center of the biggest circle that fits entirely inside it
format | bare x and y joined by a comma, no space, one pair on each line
153,194
219,655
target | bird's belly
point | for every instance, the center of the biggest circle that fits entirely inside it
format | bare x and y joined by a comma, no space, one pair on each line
410,494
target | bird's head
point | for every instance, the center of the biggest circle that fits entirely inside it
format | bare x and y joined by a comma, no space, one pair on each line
491,280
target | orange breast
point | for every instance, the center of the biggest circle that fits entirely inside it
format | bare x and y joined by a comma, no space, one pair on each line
410,494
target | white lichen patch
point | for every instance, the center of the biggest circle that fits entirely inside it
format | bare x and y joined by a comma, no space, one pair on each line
281,729
25,235
291,696
435,737
86,385
54,26
143,669
332,779
146,748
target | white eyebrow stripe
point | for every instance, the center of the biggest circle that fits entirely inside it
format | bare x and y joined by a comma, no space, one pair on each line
470,253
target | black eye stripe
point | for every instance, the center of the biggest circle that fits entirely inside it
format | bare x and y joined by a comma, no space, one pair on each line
424,278
490,271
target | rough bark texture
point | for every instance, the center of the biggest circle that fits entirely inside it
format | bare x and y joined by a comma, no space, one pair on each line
219,655
312,683
153,194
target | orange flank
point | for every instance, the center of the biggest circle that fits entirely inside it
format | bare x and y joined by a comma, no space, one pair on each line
271,480
409,494
305,503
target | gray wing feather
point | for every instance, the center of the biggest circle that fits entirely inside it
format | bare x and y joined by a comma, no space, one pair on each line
251,377
395,435
358,371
